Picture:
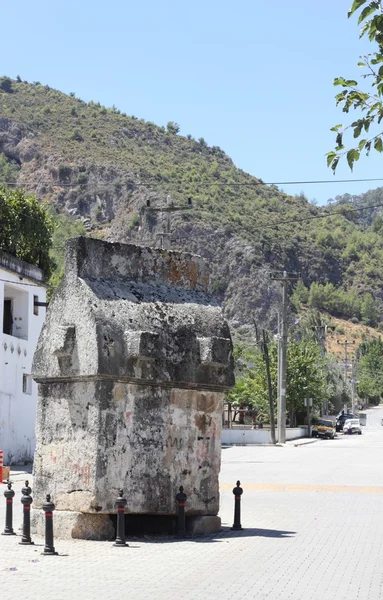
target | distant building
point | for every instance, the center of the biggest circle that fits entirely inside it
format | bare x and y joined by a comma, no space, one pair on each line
22,291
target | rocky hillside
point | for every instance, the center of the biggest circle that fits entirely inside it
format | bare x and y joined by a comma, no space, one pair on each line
102,167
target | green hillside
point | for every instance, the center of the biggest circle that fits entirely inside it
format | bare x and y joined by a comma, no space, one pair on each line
101,166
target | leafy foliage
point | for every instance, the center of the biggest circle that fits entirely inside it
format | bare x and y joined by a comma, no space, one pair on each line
306,378
370,373
6,84
367,102
64,228
8,170
26,228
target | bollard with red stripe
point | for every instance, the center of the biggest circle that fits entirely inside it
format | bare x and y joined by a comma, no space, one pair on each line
48,508
120,505
1,465
237,491
26,501
181,501
9,494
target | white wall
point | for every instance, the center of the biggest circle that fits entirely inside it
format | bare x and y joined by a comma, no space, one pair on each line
258,436
18,409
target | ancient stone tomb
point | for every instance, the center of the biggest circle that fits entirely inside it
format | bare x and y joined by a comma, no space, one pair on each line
132,364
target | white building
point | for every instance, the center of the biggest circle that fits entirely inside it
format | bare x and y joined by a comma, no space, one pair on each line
22,313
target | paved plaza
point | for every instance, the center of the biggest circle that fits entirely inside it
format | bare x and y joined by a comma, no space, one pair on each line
313,519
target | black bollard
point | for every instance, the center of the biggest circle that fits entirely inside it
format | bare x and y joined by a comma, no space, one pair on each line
181,499
237,491
48,508
120,505
26,501
9,494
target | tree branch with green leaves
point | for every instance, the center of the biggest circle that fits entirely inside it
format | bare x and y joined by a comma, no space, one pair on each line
368,103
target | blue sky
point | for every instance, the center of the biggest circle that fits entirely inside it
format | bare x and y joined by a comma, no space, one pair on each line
253,77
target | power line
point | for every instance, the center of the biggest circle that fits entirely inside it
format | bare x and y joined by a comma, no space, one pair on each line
227,184
341,212
325,216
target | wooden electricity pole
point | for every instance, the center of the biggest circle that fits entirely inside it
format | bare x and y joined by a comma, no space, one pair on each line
284,278
269,387
165,236
346,344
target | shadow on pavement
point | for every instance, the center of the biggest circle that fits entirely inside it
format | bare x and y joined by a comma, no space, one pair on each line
224,535
255,532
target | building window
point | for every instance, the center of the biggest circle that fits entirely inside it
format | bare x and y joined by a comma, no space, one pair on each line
27,384
7,318
35,305
16,308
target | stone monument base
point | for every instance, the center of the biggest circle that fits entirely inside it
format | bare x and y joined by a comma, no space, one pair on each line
68,525
203,525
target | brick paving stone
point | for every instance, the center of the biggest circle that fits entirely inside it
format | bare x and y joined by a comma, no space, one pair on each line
318,537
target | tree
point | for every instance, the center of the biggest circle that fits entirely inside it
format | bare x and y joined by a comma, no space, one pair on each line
8,170
251,386
306,378
370,381
65,227
26,228
173,127
6,84
368,310
367,102
338,390
300,295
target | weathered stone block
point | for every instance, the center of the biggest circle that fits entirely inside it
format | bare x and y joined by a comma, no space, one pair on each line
215,351
204,525
132,364
68,525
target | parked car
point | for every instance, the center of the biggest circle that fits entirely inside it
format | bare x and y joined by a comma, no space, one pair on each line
352,426
341,419
323,428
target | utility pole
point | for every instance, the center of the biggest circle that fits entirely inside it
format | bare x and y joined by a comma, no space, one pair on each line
308,404
322,338
269,388
346,344
279,370
323,329
353,383
165,236
284,278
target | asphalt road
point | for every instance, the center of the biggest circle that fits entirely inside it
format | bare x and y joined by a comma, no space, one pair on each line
313,524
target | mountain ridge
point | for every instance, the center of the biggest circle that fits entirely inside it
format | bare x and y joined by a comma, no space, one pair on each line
101,167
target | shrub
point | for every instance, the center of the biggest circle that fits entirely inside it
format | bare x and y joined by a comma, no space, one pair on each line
172,128
218,286
64,172
76,136
6,85
82,178
134,222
